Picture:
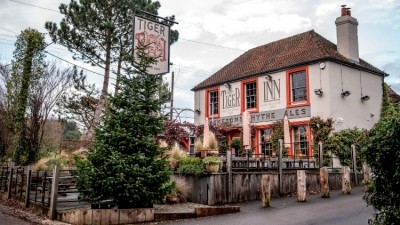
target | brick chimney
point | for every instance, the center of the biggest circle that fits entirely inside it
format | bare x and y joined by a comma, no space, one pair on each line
347,38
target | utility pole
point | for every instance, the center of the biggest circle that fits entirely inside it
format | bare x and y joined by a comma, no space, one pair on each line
172,96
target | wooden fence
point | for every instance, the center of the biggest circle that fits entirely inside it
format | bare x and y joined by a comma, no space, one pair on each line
212,189
45,190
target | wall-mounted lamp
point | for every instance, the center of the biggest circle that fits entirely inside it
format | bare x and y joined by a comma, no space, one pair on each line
227,85
318,92
197,111
345,93
365,98
269,77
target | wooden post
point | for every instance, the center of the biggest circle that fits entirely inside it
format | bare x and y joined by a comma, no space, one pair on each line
346,185
320,155
354,155
280,167
211,191
324,182
229,171
10,182
367,175
54,191
301,186
266,190
28,187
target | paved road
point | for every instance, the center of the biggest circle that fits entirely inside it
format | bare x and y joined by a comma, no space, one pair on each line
338,210
9,220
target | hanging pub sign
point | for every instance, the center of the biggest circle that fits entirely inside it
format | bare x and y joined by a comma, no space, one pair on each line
154,37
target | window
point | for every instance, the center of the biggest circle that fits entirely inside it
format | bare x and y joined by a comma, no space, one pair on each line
213,103
299,89
300,143
266,144
251,95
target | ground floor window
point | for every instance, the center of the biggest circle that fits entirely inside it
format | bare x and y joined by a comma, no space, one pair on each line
266,146
300,141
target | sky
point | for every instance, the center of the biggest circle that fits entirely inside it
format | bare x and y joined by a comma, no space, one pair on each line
214,33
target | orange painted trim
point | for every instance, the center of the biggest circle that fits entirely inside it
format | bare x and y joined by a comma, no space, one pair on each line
301,123
243,95
289,103
207,92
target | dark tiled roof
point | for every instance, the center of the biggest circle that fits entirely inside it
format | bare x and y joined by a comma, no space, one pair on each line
393,96
300,49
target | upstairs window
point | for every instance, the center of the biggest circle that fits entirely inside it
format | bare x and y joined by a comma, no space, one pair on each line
297,86
251,95
213,103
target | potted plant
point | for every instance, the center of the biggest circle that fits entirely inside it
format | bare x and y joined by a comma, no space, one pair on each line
198,146
236,143
212,144
175,155
212,164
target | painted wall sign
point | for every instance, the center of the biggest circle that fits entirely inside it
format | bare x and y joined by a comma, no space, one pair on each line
268,116
156,37
230,99
272,90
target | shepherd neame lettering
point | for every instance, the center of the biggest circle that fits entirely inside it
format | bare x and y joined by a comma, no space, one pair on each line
230,100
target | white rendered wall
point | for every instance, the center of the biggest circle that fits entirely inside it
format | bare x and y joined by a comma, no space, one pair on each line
319,79
349,112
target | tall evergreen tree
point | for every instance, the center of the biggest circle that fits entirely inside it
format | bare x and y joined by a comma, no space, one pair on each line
100,32
126,164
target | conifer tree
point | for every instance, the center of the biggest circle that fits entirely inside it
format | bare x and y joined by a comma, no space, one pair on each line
99,32
126,164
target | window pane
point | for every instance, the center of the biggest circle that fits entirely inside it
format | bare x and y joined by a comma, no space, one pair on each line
266,144
300,144
299,89
213,103
251,95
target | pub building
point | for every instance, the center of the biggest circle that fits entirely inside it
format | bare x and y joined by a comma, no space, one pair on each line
301,76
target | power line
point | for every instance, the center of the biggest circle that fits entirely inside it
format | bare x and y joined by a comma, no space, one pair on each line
40,7
214,45
77,65
8,35
6,43
8,30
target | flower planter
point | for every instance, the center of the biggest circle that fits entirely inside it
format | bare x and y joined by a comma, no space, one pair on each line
212,168
171,199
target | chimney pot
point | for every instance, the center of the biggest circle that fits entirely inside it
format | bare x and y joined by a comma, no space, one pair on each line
347,37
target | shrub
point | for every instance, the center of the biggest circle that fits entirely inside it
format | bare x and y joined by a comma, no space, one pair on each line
212,141
181,189
198,145
211,159
382,154
191,166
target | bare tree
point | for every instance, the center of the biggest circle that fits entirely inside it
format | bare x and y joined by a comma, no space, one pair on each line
44,95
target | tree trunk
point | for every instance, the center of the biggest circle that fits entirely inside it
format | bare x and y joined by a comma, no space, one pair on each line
100,106
20,125
118,75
